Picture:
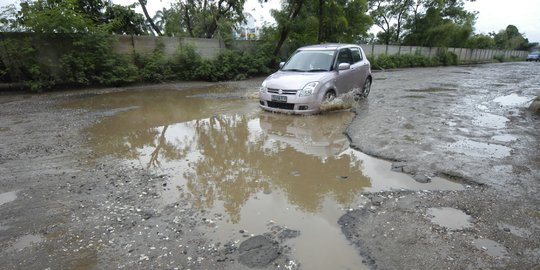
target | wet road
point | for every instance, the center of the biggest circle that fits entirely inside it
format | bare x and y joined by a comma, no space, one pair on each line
211,158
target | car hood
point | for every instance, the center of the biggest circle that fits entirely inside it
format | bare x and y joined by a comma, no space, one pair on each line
295,80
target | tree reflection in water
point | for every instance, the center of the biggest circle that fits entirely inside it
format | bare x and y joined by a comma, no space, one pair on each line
231,159
235,165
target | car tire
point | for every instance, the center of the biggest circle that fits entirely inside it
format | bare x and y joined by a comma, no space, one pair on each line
329,96
366,88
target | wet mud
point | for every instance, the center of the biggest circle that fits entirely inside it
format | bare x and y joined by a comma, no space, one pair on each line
426,174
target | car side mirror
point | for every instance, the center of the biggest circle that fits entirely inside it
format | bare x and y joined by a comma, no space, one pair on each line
281,65
344,66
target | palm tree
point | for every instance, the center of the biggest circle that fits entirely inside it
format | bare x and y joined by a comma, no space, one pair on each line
161,18
156,29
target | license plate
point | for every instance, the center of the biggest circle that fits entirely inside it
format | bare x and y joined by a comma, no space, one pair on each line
279,98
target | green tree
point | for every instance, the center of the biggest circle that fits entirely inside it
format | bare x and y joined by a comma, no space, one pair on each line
207,19
148,18
78,16
442,24
53,17
286,18
124,20
345,21
480,41
511,39
390,16
299,22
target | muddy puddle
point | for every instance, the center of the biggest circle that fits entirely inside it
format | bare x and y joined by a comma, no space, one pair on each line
450,218
249,169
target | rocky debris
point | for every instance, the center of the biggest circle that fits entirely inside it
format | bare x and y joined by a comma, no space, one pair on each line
288,234
258,251
422,178
377,201
535,106
401,167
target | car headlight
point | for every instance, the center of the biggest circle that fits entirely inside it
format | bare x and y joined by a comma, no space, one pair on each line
308,90
262,89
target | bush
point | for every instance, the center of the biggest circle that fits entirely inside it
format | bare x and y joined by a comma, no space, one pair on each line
446,58
154,67
233,65
185,63
384,61
91,62
23,65
499,57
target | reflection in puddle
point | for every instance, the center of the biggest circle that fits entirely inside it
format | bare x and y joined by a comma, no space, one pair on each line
490,120
514,100
491,247
8,197
450,218
27,241
479,149
251,168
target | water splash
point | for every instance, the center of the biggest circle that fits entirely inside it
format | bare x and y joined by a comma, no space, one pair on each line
342,102
252,95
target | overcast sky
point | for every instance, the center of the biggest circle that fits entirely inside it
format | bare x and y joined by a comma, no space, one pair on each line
493,15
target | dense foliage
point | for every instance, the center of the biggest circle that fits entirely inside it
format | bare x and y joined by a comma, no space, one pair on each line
385,61
186,64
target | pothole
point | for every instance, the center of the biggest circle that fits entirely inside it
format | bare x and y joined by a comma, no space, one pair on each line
479,149
450,218
26,241
491,247
249,169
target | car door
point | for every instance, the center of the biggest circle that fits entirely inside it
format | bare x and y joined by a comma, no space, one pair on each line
345,78
360,67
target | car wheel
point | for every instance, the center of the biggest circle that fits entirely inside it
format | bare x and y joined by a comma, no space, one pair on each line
329,96
367,87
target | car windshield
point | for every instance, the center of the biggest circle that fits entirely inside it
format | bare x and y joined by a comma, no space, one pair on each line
310,61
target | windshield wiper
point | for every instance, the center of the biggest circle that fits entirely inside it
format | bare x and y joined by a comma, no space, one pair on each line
317,70
294,69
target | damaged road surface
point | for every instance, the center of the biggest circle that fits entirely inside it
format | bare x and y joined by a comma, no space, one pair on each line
438,169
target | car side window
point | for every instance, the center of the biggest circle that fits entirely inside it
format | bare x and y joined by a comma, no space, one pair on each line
344,56
356,55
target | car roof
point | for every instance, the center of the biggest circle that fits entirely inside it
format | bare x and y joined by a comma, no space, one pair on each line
328,46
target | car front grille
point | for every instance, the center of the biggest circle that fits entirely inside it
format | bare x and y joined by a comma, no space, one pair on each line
280,105
283,91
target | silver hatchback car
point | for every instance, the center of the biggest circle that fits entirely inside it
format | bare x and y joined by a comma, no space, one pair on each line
314,74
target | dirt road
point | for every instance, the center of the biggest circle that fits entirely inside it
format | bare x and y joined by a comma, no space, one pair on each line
192,175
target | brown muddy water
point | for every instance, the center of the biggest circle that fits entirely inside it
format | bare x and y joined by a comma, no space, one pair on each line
250,169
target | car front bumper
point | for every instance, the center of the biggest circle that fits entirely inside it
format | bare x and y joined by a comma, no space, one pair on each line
293,105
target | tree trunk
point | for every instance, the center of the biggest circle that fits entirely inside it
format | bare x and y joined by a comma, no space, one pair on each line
143,5
286,29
